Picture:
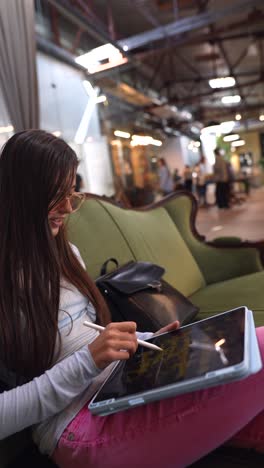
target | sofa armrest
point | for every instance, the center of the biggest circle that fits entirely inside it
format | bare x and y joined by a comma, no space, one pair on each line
236,242
219,263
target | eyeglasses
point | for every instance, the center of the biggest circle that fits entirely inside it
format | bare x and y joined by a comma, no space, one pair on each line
76,200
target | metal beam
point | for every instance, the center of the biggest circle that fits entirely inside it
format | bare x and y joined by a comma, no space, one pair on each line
76,41
200,39
202,5
48,47
54,25
144,11
156,71
187,63
261,56
74,15
175,7
241,109
111,24
243,54
230,68
196,97
186,24
207,78
89,13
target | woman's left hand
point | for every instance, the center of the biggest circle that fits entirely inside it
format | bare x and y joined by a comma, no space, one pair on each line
172,326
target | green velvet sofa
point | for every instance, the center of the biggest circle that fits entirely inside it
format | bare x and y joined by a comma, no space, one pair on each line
214,278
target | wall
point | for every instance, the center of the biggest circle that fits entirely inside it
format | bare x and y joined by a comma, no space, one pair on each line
172,152
64,105
5,122
252,140
177,154
63,98
252,144
63,102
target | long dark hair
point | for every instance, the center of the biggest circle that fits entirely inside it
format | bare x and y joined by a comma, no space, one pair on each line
36,173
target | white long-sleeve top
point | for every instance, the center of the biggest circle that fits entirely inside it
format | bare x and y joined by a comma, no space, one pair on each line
57,396
46,395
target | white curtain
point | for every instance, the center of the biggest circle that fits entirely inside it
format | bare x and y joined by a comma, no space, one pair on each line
18,76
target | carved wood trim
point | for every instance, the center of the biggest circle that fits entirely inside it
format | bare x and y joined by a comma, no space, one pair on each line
158,204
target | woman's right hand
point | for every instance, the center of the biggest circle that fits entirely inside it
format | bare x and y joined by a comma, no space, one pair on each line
117,342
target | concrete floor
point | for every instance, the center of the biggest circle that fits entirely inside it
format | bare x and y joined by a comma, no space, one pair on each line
245,220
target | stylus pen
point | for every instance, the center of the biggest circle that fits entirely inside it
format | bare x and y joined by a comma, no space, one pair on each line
141,342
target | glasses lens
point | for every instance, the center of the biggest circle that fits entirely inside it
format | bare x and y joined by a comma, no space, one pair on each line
76,201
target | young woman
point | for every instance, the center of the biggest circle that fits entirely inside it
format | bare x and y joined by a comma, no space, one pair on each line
46,295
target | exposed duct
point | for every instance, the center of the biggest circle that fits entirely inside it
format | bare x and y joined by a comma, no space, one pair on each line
49,48
186,24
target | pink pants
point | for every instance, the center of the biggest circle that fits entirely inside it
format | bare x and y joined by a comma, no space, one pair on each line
172,433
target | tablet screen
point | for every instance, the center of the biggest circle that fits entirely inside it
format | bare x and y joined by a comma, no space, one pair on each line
191,351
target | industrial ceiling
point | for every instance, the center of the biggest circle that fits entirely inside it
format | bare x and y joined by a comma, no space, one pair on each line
171,49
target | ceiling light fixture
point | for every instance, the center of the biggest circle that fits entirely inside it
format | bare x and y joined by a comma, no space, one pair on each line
238,117
57,133
238,143
144,140
229,138
156,142
212,129
101,58
100,99
225,82
185,115
227,127
116,143
261,117
7,129
121,134
195,130
231,99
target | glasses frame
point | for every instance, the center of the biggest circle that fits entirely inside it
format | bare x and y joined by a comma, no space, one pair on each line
79,195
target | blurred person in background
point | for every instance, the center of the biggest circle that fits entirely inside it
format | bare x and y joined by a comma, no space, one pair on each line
79,183
187,177
221,179
177,179
201,182
128,171
166,184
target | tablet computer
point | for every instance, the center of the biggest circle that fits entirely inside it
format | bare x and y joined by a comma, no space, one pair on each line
206,353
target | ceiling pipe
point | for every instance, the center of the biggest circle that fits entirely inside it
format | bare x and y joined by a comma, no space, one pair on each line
196,97
186,24
203,38
49,48
210,77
